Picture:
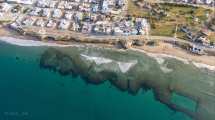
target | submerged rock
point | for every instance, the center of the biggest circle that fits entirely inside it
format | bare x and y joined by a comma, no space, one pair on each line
17,58
131,71
57,61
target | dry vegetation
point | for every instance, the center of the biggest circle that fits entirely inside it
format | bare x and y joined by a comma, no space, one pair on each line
212,37
190,16
135,11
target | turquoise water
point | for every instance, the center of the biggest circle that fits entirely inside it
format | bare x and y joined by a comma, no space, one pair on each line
184,102
28,92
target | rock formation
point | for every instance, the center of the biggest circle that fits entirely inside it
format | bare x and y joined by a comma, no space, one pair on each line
131,71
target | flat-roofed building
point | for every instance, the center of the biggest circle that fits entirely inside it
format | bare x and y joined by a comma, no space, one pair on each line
64,24
57,13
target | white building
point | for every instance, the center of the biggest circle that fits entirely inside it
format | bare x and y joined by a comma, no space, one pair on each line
13,1
51,24
118,31
35,11
105,7
42,3
5,7
40,22
27,2
28,21
46,12
53,4
64,24
68,15
57,13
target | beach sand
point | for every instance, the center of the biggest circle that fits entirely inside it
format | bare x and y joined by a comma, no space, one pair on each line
164,50
32,43
168,50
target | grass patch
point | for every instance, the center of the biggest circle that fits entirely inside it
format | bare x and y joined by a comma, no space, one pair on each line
186,11
193,17
212,37
163,30
135,11
5,21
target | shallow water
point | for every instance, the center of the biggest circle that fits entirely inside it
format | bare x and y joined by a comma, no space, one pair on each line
28,92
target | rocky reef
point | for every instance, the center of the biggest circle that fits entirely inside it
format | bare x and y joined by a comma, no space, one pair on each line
131,71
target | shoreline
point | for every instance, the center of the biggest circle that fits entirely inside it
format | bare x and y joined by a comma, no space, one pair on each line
31,43
157,56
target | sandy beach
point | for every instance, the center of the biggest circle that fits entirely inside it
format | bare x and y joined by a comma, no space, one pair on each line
169,51
31,43
164,50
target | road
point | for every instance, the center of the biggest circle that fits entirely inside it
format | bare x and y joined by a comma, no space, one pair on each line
195,5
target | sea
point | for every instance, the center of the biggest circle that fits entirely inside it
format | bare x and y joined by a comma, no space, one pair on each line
28,92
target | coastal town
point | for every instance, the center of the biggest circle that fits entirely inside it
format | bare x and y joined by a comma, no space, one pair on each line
111,21
165,46
98,17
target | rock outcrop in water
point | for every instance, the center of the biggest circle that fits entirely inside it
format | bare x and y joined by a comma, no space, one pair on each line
131,71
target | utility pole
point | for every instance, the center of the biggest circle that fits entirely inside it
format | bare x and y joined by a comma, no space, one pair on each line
214,7
176,28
